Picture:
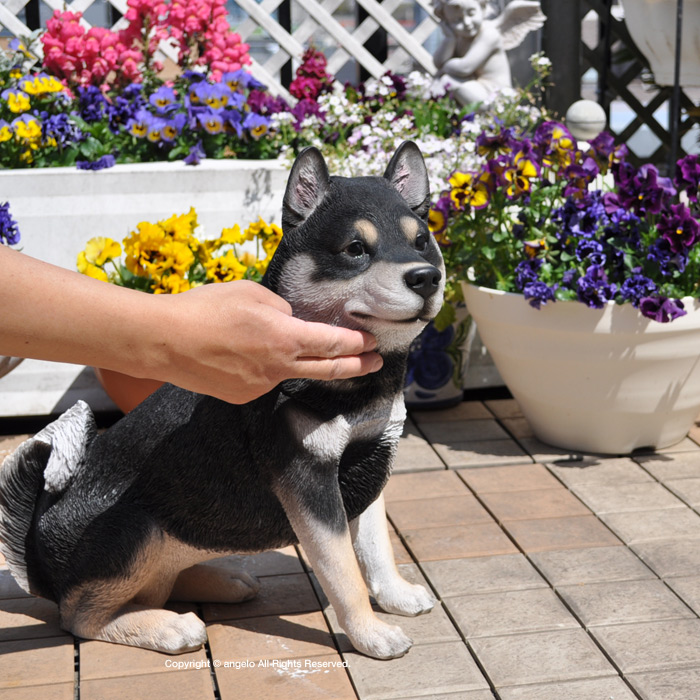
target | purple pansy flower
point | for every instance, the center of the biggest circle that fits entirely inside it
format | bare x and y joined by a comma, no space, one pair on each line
661,309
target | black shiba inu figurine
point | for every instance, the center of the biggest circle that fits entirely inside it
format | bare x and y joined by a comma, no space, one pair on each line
112,526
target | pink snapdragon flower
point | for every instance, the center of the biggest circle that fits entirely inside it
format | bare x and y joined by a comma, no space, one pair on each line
86,57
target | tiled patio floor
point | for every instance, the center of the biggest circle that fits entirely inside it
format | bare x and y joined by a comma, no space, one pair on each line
560,577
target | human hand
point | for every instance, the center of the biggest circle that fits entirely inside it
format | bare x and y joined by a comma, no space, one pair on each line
237,341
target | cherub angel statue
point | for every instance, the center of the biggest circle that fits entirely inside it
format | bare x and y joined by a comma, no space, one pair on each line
471,59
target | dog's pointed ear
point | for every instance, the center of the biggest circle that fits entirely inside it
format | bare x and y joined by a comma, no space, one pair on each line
407,173
307,186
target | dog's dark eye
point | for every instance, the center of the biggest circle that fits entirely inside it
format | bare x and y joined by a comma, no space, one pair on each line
356,249
421,242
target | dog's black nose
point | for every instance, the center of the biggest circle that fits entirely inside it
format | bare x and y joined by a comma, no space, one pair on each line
423,280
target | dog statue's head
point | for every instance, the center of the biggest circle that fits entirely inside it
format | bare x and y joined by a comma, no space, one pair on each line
357,252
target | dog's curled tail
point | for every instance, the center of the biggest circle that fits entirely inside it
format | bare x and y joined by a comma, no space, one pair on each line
45,462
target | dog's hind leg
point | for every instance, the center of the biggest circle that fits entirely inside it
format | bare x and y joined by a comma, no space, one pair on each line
212,583
142,626
375,556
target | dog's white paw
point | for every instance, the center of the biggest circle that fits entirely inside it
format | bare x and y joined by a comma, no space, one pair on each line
404,598
380,640
181,634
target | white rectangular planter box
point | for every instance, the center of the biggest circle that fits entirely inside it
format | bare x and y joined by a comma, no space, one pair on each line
59,209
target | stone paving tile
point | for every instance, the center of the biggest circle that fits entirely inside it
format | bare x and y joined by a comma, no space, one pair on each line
685,445
620,602
193,685
31,662
560,533
686,489
509,612
271,637
670,558
104,660
409,487
521,477
273,563
680,684
645,526
546,454
467,410
612,688
674,466
433,512
424,672
485,453
614,471
529,505
457,541
415,457
652,646
466,695
688,588
279,595
626,498
518,427
9,587
581,566
28,618
541,657
290,679
60,691
482,575
504,408
460,431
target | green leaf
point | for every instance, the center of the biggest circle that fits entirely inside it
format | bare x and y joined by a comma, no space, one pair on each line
445,318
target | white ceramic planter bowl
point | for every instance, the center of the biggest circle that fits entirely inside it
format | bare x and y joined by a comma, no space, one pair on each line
59,209
604,381
652,25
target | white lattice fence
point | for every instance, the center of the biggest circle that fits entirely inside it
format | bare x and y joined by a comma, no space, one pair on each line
329,24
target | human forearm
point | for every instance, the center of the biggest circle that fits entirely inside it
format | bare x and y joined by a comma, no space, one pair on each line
54,314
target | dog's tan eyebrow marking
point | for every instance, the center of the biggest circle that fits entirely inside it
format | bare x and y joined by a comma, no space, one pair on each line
367,230
410,227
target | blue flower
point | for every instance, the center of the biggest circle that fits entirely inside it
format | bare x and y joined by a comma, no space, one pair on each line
9,231
429,364
526,272
593,288
60,128
106,161
92,103
538,293
636,287
256,124
196,155
590,250
164,100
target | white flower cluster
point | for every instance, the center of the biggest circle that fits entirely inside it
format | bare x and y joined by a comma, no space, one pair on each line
373,137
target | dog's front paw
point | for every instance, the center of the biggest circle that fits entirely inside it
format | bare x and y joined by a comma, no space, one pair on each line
404,598
380,640
180,634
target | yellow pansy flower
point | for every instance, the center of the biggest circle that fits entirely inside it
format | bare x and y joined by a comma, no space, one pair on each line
232,236
225,268
5,131
468,190
87,268
17,101
28,129
100,249
171,284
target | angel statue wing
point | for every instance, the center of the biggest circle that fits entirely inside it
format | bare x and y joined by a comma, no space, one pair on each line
518,19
